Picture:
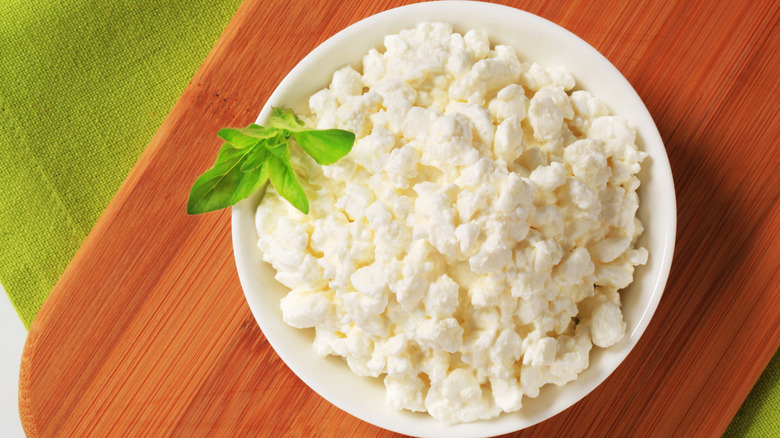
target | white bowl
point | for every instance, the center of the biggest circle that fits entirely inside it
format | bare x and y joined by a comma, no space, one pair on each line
537,40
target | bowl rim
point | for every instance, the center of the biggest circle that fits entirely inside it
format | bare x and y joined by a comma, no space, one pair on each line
242,222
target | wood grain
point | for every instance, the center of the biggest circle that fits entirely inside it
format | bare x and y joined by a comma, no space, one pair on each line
147,332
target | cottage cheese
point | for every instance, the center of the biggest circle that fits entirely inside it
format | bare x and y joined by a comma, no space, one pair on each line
470,248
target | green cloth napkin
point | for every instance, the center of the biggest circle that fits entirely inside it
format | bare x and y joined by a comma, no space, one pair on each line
83,87
759,415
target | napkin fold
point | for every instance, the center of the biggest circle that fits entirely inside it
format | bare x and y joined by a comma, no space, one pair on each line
84,85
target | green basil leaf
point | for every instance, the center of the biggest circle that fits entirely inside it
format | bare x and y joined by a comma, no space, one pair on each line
255,158
285,118
224,184
236,138
258,131
277,149
283,179
247,137
251,156
327,146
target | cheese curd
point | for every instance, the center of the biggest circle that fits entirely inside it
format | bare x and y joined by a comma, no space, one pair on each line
470,248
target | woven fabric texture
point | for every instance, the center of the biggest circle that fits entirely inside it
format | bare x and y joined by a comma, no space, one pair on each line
84,85
759,415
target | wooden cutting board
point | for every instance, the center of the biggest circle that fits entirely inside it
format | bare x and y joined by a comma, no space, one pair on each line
147,332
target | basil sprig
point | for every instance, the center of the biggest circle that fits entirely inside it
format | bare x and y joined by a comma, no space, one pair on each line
253,155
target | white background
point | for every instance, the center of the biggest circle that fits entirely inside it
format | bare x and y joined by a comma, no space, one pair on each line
12,336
